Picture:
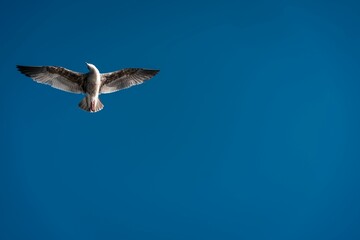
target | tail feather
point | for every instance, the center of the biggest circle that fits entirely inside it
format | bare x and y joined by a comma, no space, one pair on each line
91,106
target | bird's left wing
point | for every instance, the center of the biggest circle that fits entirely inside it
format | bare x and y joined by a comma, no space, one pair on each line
125,78
57,77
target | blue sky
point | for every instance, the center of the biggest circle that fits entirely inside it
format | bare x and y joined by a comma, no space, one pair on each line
250,130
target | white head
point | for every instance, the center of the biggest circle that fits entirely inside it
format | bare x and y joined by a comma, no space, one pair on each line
91,67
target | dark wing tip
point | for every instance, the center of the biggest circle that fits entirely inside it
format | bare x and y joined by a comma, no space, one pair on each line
30,70
24,70
19,67
151,72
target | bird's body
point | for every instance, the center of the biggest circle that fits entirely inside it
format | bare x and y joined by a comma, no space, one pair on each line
92,84
91,89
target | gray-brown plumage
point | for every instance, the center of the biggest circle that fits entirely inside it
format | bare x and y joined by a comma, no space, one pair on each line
57,77
92,84
115,81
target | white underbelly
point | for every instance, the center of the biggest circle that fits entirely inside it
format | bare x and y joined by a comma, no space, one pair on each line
93,85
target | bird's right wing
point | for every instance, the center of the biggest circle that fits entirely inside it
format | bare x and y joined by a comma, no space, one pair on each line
125,78
57,77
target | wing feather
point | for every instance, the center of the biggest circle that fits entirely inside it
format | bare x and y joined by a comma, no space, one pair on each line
57,77
125,78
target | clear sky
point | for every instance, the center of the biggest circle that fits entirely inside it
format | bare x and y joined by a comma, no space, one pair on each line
251,130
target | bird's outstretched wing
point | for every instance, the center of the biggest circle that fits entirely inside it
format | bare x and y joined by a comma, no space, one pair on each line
57,77
125,78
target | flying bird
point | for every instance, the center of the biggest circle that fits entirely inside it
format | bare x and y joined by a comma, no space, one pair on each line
92,84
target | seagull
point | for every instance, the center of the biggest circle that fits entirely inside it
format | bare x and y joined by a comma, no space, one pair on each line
92,84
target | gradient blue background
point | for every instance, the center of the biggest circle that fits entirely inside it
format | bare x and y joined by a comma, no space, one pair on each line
250,131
